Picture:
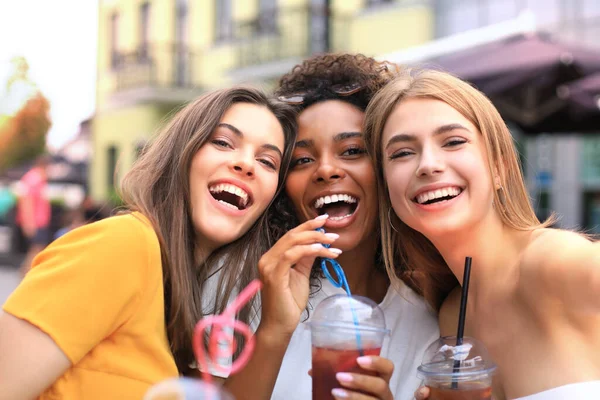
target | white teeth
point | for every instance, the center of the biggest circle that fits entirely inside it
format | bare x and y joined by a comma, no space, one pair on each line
338,218
228,204
321,201
438,193
229,188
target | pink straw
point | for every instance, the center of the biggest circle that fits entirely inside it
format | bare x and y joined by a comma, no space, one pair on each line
217,335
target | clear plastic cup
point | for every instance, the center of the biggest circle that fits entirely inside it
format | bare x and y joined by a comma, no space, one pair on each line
186,389
457,372
343,328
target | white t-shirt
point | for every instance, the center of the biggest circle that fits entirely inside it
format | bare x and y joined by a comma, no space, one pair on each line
413,327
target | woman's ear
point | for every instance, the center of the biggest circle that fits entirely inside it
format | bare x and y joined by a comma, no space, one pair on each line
497,182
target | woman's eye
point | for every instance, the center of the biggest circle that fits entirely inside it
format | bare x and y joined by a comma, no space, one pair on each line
454,142
400,154
300,161
221,143
354,151
268,163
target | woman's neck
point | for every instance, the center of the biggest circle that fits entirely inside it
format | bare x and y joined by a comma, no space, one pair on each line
493,247
362,274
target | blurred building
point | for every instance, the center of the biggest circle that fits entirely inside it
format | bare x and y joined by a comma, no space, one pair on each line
155,55
562,170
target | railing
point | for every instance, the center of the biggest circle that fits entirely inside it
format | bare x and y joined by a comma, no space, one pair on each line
286,33
153,66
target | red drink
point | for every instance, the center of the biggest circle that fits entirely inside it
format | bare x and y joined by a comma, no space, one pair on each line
327,362
465,391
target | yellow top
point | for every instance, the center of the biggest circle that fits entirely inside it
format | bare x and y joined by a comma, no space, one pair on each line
98,292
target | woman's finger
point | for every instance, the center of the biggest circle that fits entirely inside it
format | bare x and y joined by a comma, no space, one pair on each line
373,385
344,394
380,365
422,393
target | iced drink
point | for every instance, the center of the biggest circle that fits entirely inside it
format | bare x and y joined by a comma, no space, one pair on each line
463,391
454,372
328,362
343,328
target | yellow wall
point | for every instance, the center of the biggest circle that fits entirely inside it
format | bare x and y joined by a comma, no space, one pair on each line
388,30
125,129
370,30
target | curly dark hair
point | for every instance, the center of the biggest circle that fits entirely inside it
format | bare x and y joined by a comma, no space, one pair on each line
314,79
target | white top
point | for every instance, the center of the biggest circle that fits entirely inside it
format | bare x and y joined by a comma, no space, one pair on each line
412,323
413,327
574,391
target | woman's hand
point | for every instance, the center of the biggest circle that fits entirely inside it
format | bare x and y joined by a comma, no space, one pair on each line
285,273
375,384
422,393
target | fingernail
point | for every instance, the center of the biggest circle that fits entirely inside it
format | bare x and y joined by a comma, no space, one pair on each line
344,377
364,361
317,246
332,235
334,250
341,393
324,216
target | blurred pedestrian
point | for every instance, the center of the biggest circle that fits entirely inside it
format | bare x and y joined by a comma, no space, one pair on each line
34,211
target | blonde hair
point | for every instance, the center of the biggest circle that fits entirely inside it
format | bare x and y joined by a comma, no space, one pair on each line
408,254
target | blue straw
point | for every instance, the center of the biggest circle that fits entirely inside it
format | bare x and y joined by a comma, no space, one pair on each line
341,282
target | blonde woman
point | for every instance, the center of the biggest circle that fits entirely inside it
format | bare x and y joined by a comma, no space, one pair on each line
449,177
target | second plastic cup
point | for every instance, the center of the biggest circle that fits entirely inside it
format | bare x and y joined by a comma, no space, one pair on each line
343,328
457,372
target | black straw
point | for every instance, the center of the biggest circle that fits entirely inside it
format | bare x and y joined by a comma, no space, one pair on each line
462,314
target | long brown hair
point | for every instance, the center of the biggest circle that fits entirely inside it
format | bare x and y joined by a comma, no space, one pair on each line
158,187
422,262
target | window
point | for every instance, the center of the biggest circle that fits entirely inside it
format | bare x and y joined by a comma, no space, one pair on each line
144,31
319,26
377,2
114,40
222,19
181,43
112,154
267,16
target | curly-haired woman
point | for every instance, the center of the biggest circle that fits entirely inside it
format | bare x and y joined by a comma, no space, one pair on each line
331,174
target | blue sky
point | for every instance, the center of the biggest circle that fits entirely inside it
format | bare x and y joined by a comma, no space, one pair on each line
58,39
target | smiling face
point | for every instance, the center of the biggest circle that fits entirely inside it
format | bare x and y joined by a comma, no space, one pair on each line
331,172
234,175
435,167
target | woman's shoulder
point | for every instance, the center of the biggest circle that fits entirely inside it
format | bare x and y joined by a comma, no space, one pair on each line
550,247
122,230
124,238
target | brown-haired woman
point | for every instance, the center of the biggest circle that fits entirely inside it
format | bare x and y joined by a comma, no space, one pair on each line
88,321
332,174
450,180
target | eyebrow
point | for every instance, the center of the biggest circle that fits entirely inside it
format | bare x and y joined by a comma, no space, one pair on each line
409,137
337,138
239,133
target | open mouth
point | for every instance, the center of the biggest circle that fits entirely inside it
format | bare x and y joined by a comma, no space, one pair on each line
438,195
337,206
230,196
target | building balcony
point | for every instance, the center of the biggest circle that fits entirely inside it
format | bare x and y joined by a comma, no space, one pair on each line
276,40
154,73
273,42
